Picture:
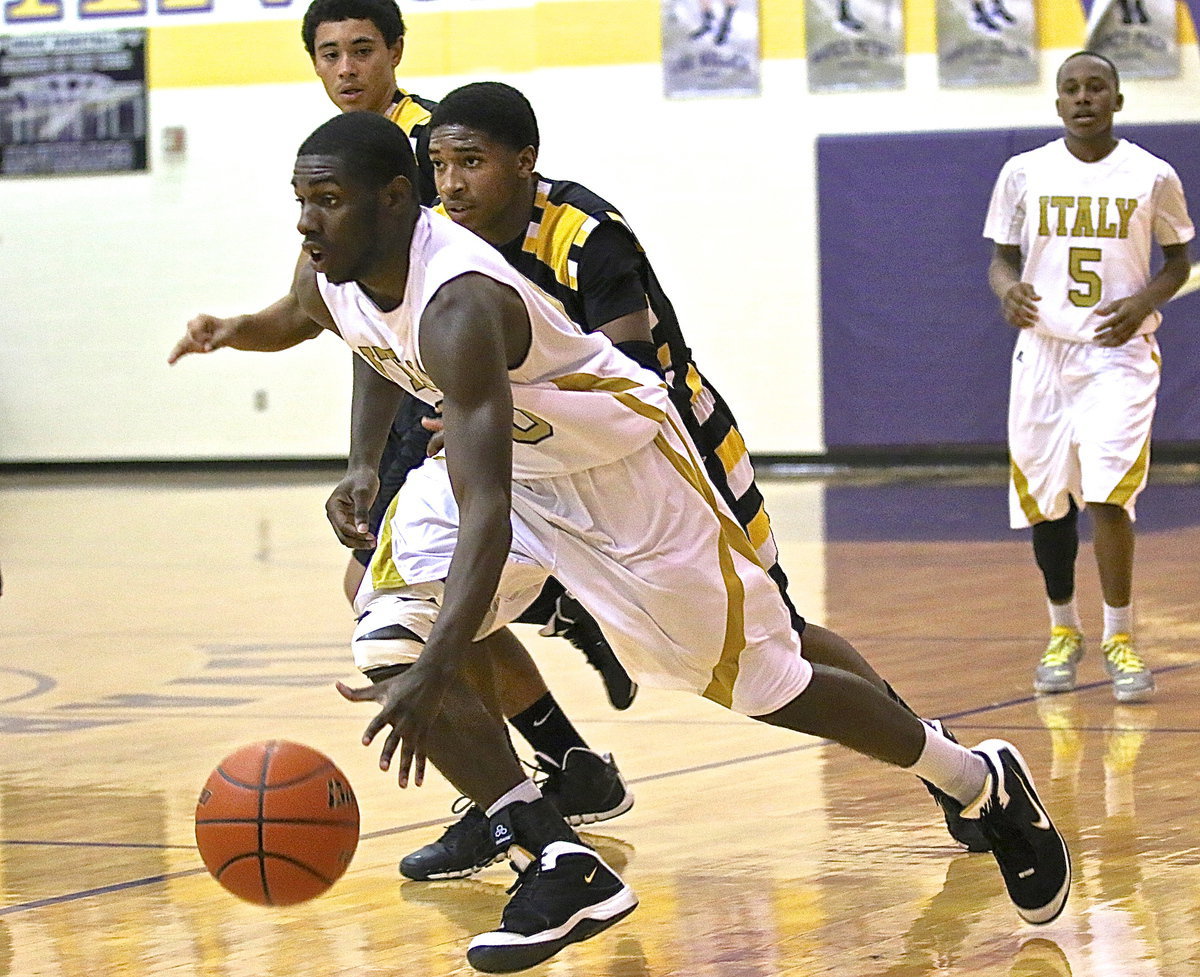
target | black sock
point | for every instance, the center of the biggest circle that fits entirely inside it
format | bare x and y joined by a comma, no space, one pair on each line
548,729
531,825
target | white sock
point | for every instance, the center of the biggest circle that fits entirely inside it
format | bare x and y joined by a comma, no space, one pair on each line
1118,620
526,791
1065,615
950,767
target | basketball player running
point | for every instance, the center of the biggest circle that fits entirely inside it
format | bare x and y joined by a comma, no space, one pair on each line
356,46
578,247
559,453
1073,224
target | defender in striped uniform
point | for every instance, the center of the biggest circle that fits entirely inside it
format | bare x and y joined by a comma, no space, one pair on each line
577,247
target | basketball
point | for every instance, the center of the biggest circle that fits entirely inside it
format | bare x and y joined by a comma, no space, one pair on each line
276,823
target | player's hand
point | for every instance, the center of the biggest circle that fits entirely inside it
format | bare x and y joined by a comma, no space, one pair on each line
410,703
1124,318
348,508
438,440
1020,306
204,334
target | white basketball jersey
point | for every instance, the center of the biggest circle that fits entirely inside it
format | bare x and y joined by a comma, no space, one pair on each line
1086,229
577,402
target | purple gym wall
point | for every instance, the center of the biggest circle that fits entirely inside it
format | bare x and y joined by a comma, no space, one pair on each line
914,350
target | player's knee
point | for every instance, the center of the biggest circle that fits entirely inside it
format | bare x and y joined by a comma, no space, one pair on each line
394,627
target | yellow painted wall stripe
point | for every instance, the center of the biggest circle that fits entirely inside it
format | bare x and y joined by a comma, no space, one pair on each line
586,33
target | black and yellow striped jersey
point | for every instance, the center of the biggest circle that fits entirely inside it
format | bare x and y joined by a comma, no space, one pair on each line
412,114
580,249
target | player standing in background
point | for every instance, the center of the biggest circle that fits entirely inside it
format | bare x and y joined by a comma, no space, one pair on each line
1073,224
562,455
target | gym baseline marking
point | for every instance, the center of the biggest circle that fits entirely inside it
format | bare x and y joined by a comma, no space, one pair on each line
682,771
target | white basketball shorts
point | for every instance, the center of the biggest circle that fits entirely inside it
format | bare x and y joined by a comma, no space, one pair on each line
1079,419
644,543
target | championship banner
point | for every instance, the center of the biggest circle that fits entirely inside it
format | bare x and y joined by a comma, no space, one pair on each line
986,42
1139,36
73,103
855,45
710,47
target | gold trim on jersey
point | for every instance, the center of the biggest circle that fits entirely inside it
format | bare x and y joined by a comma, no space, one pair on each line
1154,354
1028,503
731,450
695,382
1133,478
618,386
409,114
560,228
385,575
759,530
733,538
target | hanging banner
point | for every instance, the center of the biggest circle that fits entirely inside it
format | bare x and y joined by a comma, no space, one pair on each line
1138,36
73,103
710,47
986,42
855,45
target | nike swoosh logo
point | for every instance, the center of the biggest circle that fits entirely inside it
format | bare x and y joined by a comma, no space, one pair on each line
1043,820
587,879
538,722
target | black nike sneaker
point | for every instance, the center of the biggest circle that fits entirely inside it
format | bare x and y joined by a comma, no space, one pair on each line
571,621
564,896
1032,855
587,788
466,847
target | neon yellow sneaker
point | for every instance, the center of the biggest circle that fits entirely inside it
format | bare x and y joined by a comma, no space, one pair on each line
1132,681
1056,670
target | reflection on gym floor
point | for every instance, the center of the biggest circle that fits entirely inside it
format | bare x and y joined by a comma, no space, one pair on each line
150,624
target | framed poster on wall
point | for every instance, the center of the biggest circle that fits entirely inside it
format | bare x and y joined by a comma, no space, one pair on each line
710,47
73,103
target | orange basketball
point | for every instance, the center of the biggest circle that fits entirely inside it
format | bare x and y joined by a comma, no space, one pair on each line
277,823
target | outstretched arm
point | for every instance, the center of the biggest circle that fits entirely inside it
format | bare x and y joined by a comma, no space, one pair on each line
1125,316
281,325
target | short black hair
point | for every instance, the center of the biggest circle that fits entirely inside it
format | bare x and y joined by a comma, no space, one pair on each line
384,14
494,108
374,149
1091,54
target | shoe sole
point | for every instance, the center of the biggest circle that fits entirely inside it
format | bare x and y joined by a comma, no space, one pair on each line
458,873
1048,913
1054,688
504,953
594,817
1138,695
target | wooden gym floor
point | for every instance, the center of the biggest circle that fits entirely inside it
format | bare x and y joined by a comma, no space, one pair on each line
152,623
